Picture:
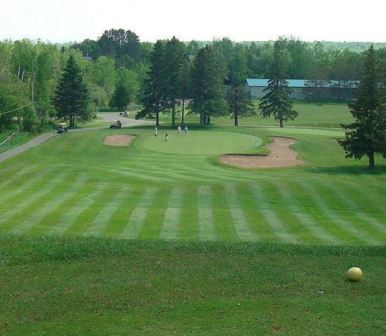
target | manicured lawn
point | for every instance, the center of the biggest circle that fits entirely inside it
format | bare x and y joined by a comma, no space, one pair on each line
75,185
159,238
106,287
310,114
202,143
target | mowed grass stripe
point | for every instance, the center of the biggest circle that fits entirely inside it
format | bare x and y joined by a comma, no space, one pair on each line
284,214
222,219
374,229
9,178
181,174
260,192
312,206
189,228
103,216
151,228
47,215
239,220
89,213
310,225
74,206
16,212
143,176
349,230
252,213
138,215
172,218
205,216
36,223
118,219
26,187
367,200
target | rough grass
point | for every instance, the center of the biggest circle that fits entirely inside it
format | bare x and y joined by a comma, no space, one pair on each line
110,287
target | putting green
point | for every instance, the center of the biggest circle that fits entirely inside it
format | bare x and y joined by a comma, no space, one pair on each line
307,131
202,143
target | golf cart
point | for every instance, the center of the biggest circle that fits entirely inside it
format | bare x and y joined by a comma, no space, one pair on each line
124,114
62,128
116,124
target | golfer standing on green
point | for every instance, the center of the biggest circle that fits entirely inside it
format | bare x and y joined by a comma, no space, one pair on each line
166,136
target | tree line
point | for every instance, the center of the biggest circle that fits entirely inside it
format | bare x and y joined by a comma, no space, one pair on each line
30,74
117,69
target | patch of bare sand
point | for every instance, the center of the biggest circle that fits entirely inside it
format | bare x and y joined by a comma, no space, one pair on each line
281,155
119,140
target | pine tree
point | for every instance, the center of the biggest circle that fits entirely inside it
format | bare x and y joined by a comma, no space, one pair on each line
185,85
121,97
239,100
174,60
367,134
277,101
71,95
208,89
154,99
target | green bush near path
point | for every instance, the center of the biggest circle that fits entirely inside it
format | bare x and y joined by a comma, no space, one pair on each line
17,141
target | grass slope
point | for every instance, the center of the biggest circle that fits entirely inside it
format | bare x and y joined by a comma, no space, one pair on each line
74,185
106,287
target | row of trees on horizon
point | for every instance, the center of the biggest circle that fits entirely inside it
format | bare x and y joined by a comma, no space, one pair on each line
117,69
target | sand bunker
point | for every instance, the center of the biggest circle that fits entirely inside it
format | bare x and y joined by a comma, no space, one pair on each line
119,140
281,155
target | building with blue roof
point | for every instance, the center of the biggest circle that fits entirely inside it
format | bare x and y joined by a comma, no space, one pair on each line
304,89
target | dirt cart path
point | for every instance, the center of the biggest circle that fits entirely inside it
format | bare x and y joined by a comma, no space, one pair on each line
125,122
22,148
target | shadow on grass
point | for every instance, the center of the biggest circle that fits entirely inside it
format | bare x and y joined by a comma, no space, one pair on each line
347,170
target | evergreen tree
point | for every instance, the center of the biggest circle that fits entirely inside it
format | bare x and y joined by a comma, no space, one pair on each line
154,99
71,95
239,100
367,134
277,101
174,60
126,89
120,98
208,89
185,85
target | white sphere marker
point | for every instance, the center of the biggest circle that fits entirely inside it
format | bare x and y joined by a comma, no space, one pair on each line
355,274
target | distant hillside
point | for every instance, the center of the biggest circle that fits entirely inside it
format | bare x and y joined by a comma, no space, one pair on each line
332,45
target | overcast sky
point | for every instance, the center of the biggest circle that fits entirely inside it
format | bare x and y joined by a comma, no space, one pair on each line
240,20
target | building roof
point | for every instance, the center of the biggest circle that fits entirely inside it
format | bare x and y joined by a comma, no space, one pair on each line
302,83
